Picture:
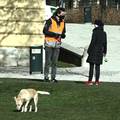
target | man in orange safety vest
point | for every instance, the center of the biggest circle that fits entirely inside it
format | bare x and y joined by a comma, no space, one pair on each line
54,31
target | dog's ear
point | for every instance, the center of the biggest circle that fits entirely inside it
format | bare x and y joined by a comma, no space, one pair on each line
15,98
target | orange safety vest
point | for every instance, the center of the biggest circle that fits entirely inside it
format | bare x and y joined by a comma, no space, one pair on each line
56,29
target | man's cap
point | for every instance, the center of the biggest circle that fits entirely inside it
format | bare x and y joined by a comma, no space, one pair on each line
58,10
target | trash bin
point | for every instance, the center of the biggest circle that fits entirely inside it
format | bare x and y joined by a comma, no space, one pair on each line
36,59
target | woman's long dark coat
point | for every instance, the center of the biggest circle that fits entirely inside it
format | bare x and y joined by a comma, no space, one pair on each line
98,46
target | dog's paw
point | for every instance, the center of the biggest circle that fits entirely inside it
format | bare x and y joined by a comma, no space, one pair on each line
25,110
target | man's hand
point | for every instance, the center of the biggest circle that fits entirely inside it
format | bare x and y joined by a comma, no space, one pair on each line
58,36
63,36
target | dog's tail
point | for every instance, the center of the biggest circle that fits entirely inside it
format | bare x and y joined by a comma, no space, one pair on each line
43,92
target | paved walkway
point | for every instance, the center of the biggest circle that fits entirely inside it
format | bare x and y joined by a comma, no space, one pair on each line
67,74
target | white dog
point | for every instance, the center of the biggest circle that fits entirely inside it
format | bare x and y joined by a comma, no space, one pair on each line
25,96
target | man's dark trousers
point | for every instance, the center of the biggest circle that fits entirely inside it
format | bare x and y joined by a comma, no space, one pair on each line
51,58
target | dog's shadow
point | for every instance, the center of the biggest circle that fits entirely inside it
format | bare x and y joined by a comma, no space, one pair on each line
20,111
16,110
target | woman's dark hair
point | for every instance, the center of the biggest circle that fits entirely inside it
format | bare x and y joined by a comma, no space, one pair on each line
99,23
59,10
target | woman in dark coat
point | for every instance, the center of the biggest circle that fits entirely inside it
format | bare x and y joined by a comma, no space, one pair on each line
96,50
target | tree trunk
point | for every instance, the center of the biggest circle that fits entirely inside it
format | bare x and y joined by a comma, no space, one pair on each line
102,8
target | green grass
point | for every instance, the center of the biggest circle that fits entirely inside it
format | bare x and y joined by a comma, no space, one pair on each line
68,101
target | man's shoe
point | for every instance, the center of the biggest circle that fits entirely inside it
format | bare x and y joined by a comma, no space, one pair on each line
46,79
89,83
54,80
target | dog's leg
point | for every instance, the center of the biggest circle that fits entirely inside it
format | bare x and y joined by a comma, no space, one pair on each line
23,109
26,105
35,102
30,108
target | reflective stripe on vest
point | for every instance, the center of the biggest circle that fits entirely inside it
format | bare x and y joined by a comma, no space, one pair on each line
56,29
